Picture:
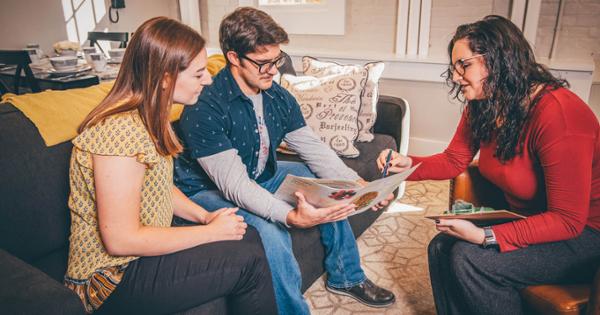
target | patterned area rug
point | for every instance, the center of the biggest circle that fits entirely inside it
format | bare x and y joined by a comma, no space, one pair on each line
394,255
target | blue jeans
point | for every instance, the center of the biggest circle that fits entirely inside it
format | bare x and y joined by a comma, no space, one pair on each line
342,261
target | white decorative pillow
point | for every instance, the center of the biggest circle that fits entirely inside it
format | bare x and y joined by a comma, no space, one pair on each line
330,107
369,97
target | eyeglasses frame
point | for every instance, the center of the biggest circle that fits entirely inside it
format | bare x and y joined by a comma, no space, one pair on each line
280,59
452,68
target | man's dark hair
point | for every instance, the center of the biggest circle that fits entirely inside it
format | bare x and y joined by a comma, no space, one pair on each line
513,76
247,28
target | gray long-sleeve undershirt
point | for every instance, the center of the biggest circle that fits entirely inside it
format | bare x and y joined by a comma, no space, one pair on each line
236,186
319,157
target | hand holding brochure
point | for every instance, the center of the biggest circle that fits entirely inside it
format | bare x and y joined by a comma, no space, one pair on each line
328,192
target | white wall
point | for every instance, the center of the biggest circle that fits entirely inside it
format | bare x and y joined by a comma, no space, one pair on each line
446,15
211,14
578,37
31,21
138,11
434,116
370,25
43,21
595,98
370,34
579,32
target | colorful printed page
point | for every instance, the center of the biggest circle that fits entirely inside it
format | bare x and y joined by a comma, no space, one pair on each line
328,192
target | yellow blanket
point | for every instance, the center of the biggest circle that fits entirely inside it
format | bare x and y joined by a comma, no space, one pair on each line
215,64
57,114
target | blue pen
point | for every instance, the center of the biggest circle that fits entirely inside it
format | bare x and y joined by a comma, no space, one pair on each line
387,163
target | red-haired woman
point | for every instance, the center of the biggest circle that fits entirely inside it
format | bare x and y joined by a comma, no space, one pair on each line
124,256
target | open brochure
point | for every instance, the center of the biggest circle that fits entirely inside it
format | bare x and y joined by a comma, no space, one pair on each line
328,192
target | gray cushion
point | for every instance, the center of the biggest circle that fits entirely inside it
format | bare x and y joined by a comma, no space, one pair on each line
364,164
34,216
27,290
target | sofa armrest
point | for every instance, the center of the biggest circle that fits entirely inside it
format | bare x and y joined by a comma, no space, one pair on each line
26,290
472,187
392,112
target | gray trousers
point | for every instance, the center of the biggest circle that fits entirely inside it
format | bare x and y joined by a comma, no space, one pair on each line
468,279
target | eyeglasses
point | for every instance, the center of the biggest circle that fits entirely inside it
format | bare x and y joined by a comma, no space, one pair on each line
459,66
265,67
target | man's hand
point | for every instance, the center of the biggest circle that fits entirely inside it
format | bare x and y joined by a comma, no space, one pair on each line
306,215
463,229
382,203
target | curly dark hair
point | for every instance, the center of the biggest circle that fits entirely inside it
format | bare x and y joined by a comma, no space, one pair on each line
247,28
513,76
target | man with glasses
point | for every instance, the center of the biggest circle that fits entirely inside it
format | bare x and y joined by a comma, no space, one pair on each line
230,137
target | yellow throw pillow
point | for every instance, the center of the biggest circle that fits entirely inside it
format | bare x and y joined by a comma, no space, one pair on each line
215,64
57,114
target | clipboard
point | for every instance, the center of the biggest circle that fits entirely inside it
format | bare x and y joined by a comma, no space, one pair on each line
481,216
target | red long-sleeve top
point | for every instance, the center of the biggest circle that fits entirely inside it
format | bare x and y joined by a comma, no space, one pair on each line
556,181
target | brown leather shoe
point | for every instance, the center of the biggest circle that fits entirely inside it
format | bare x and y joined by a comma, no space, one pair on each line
367,293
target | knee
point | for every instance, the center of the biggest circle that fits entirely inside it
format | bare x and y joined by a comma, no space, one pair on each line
272,232
461,253
467,259
274,238
441,243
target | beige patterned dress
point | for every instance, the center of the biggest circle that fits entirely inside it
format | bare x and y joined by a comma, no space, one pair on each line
93,273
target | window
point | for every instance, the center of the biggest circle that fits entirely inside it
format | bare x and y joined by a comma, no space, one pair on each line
81,17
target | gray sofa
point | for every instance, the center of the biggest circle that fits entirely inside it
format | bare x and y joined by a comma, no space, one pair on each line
34,217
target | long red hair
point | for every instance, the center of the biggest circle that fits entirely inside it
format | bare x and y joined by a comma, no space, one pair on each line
159,49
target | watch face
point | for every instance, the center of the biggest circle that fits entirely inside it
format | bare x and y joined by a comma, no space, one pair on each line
487,231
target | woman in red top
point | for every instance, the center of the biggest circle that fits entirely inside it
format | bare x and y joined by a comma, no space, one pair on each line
540,144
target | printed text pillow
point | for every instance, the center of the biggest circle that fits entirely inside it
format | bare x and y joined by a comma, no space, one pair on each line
330,106
370,94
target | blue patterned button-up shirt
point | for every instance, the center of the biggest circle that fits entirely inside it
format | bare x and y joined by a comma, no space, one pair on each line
224,119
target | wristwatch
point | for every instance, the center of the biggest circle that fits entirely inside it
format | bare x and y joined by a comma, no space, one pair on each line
489,237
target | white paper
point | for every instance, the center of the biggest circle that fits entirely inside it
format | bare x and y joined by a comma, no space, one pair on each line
328,192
